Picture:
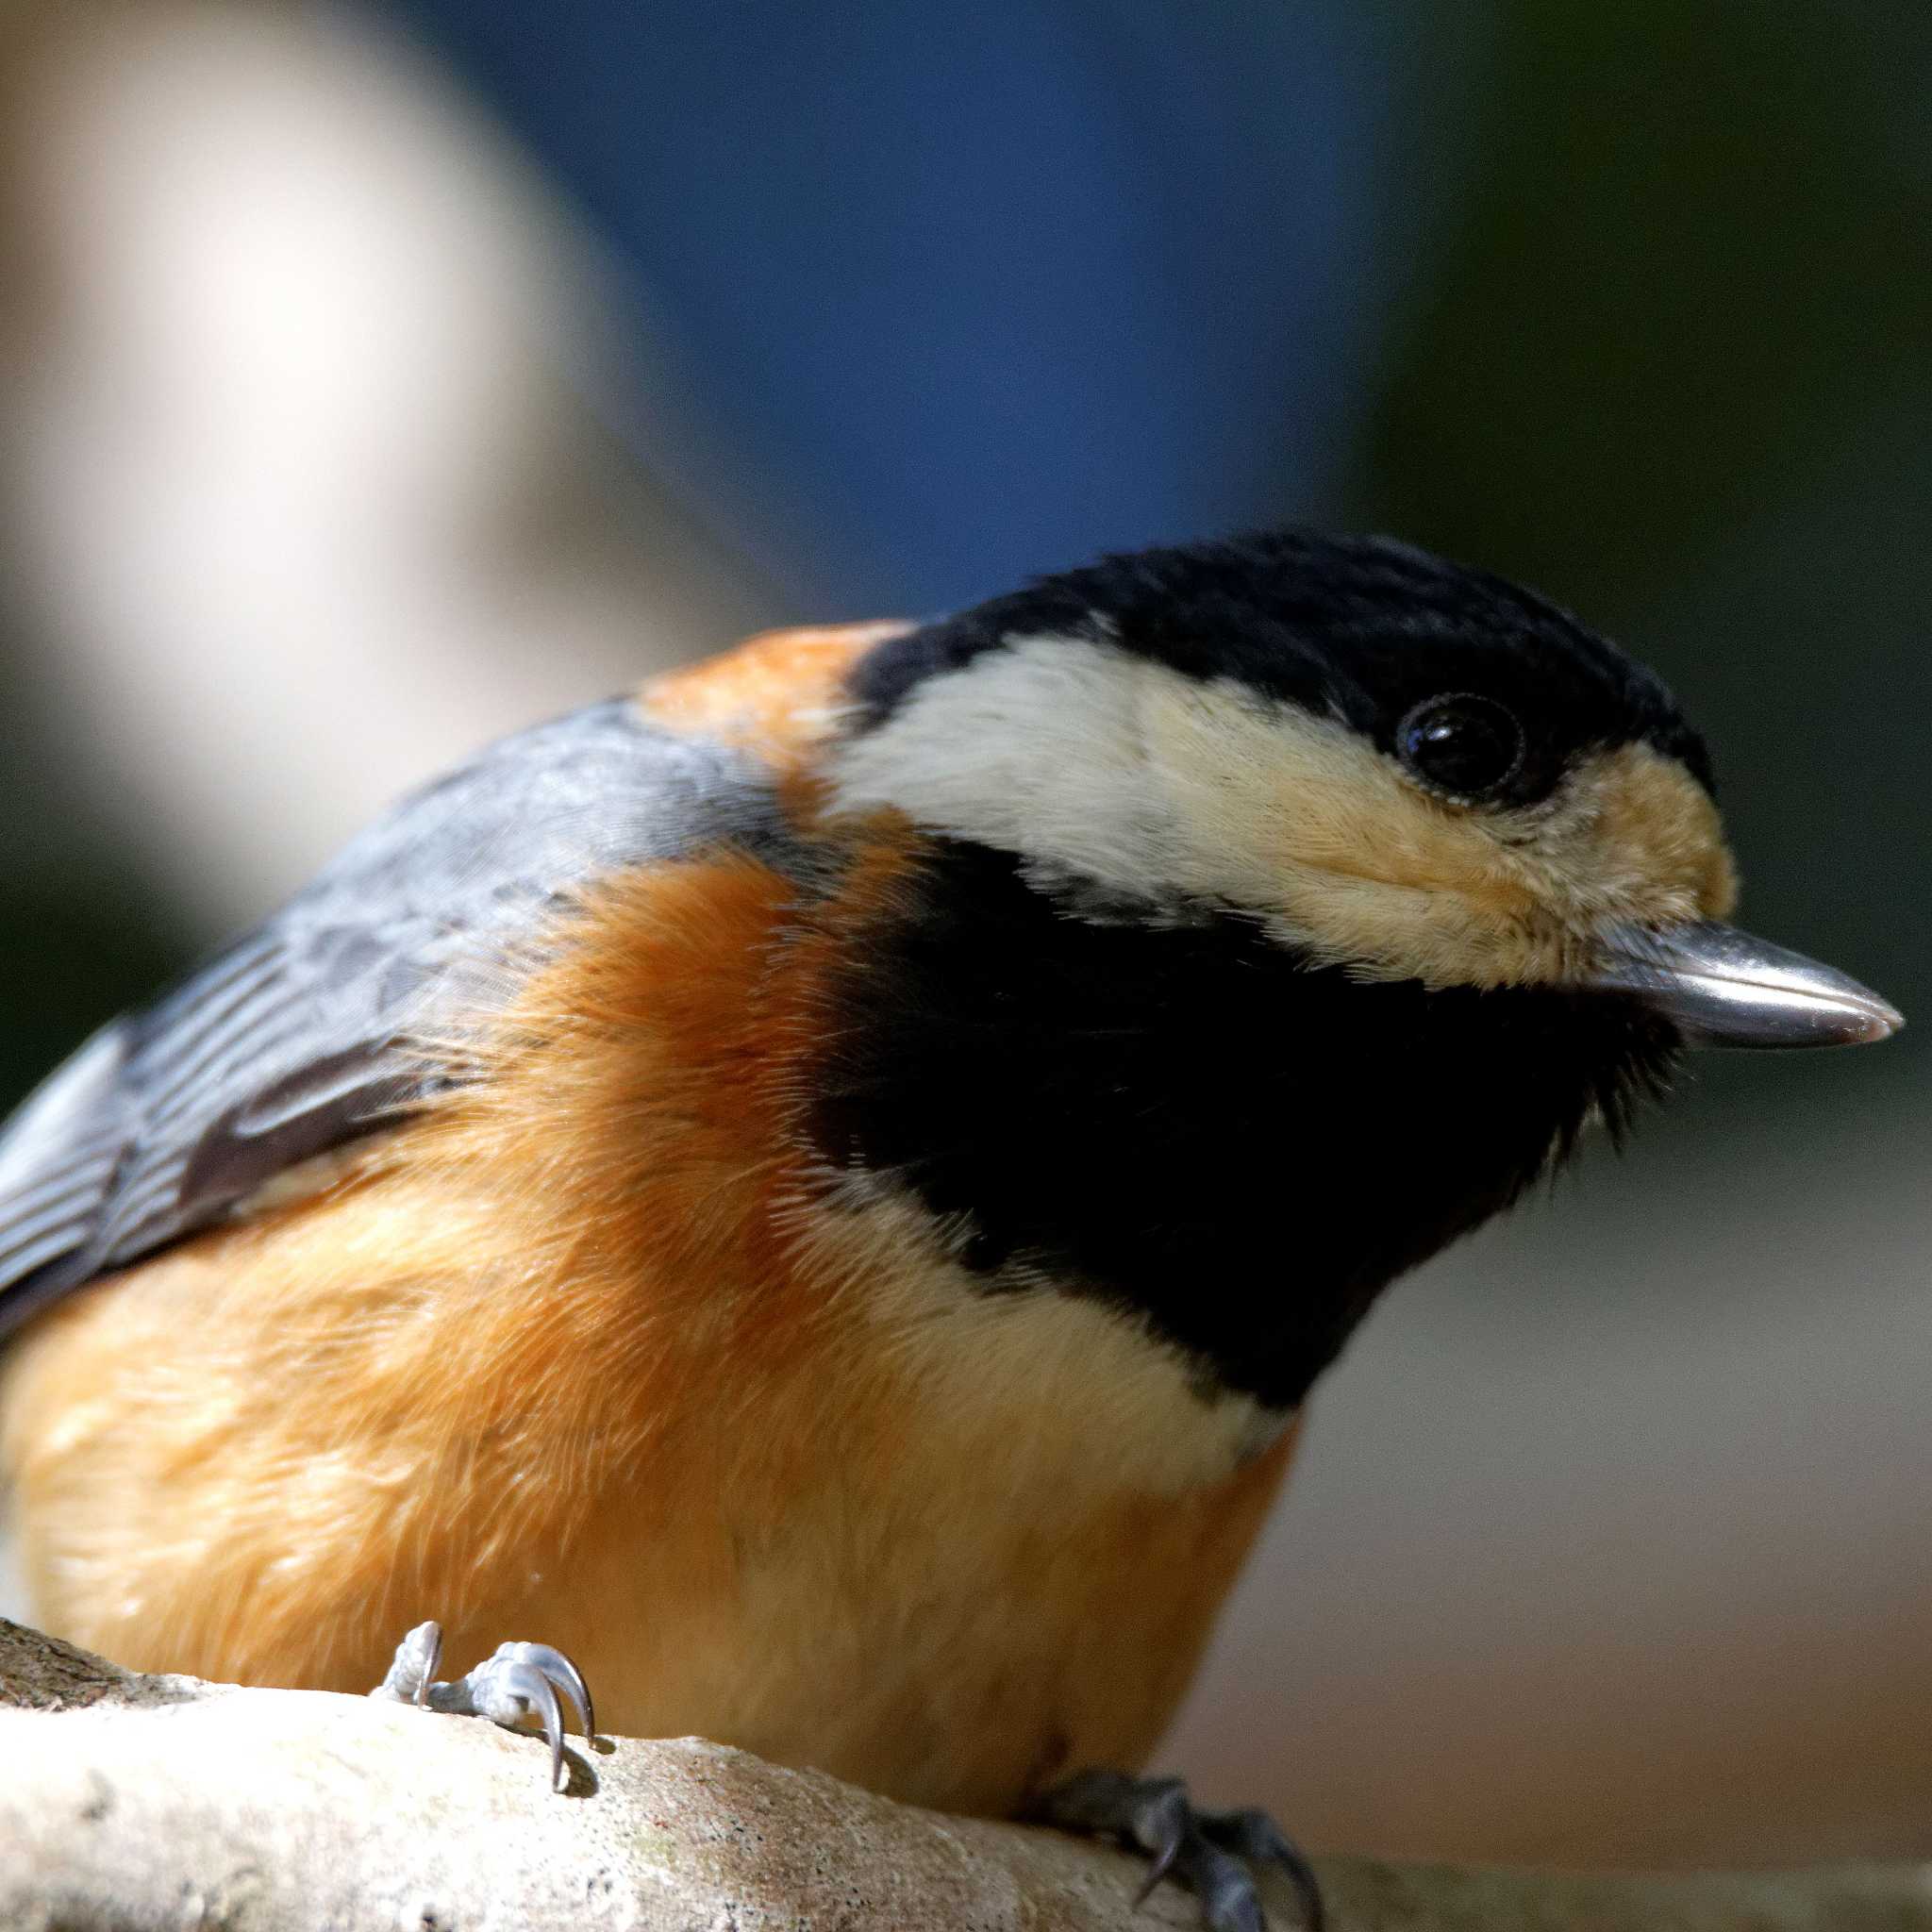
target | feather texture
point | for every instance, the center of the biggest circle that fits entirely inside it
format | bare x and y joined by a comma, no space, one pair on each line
337,1013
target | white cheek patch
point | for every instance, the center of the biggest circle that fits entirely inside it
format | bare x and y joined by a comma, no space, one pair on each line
1050,748
1120,779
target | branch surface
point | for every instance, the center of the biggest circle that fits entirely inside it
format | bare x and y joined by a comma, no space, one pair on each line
133,1803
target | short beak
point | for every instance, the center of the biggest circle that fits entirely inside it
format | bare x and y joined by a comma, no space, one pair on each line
1722,988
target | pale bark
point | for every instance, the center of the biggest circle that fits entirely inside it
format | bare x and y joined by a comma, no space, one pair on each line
133,1803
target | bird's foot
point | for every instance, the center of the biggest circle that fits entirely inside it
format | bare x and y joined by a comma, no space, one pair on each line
516,1682
1210,1852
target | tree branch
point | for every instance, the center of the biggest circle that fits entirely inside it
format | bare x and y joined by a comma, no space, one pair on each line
132,1804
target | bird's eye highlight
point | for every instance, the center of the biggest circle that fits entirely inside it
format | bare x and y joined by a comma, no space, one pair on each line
1464,747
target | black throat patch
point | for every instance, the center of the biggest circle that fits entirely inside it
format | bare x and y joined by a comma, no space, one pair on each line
1188,1125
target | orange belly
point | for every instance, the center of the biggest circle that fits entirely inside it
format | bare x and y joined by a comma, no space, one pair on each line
877,1569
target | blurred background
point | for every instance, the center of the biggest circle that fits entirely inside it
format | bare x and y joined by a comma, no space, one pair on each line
374,381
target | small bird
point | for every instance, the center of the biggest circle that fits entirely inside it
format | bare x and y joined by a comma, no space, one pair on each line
821,1189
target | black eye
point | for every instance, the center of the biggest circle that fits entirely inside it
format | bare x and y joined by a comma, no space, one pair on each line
1462,745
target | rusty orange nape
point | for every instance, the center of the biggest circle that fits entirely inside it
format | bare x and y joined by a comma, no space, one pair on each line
772,695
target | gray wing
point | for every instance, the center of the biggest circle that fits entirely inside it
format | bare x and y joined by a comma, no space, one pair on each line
295,1039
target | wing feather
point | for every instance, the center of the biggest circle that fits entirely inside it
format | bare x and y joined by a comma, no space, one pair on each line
299,1036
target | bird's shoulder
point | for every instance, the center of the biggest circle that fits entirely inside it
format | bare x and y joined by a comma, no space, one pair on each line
305,1034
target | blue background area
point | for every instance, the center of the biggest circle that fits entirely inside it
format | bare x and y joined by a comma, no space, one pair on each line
971,294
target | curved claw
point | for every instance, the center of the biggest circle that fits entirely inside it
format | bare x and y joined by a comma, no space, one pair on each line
1161,1828
1207,1851
1255,1836
515,1681
531,1683
507,1689
561,1672
428,1638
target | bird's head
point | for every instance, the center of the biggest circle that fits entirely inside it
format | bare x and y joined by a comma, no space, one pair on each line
1384,763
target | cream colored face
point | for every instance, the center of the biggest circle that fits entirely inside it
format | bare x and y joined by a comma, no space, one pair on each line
1122,782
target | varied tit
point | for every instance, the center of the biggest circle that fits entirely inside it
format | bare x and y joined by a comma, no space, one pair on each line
821,1189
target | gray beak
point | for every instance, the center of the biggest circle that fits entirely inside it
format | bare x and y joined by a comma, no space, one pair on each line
1722,988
